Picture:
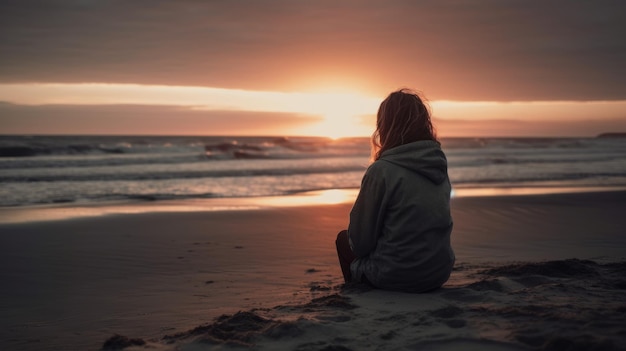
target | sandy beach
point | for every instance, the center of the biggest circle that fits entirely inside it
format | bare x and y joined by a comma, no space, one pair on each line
544,272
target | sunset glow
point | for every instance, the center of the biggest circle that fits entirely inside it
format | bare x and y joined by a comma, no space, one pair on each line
330,114
340,112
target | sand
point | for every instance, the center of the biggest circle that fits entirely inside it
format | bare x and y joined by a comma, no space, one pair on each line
533,272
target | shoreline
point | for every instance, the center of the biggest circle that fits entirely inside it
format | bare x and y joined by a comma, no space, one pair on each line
67,211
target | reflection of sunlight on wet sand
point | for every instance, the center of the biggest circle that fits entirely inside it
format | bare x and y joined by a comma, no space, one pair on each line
81,210
321,197
65,212
468,192
313,198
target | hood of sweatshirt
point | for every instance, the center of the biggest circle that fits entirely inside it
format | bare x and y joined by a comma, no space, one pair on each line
424,157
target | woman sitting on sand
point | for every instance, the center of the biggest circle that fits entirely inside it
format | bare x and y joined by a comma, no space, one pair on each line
399,232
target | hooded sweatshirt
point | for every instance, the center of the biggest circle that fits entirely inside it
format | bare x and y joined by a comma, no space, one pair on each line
400,224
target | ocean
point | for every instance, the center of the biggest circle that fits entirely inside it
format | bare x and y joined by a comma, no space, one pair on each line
36,170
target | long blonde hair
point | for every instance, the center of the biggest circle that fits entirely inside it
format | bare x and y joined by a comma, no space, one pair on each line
402,118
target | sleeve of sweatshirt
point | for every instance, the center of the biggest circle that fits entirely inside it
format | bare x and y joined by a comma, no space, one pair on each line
366,217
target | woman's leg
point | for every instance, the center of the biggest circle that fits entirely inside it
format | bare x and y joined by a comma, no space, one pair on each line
346,256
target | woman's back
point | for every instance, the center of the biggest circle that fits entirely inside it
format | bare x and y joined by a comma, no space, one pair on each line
411,230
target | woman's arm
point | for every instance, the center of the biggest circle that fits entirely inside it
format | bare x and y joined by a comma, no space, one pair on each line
366,217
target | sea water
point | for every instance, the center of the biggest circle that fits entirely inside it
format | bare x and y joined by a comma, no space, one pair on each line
97,169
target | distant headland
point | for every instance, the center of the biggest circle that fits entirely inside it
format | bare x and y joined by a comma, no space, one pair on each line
612,135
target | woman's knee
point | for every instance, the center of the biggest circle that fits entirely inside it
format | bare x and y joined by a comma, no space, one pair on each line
342,238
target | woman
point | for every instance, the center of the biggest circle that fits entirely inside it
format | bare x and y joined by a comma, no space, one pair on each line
399,232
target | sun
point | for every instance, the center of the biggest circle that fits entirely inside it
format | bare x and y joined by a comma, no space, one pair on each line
336,127
343,114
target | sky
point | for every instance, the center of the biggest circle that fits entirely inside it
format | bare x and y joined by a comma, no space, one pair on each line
296,67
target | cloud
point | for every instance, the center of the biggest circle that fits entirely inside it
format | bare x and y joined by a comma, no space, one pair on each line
145,120
478,50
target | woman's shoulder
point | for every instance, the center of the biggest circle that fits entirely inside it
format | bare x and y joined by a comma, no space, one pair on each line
379,168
